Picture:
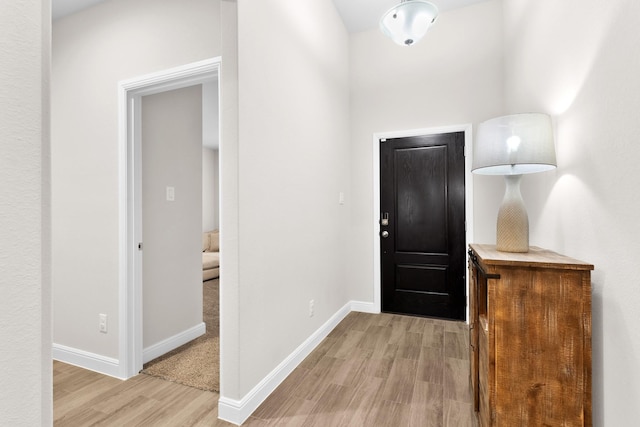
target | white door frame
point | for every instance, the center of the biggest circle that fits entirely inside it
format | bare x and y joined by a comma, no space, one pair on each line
467,129
130,200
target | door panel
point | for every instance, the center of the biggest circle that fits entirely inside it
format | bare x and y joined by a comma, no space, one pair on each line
411,277
421,220
423,255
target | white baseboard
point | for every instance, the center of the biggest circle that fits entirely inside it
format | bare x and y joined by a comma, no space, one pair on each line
364,307
165,346
237,411
110,366
84,359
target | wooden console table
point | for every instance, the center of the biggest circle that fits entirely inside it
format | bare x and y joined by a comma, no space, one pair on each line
530,333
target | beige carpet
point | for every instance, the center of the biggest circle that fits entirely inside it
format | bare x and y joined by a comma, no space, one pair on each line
196,363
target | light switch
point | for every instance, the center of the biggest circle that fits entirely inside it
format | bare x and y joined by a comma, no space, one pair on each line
171,194
341,198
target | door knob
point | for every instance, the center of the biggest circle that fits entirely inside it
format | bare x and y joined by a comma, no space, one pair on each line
385,234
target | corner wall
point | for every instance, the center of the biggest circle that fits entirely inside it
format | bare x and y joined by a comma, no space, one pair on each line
579,62
25,242
293,159
229,201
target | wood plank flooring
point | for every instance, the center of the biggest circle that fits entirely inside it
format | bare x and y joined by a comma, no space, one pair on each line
372,370
86,398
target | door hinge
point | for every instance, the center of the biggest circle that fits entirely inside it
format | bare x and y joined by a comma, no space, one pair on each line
383,140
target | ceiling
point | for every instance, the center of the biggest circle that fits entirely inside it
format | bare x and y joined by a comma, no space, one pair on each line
357,15
60,8
361,15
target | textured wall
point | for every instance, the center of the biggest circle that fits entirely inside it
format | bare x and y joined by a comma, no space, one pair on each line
579,62
25,300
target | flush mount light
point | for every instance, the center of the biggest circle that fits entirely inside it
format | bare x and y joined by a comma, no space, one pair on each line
407,22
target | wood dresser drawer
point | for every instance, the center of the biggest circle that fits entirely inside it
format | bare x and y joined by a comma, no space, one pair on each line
530,338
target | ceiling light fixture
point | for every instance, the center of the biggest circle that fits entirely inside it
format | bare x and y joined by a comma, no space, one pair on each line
407,22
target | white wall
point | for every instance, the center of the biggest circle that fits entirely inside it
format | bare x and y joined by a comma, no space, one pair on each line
453,76
92,51
25,299
293,159
172,259
229,204
579,62
210,196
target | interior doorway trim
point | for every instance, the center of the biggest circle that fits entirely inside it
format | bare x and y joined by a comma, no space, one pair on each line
467,129
130,201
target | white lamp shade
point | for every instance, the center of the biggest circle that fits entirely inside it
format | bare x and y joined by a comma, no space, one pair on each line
514,145
408,22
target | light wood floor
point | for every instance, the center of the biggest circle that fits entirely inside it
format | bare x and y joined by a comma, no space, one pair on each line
372,370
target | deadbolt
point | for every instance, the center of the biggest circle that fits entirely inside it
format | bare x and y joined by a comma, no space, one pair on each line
385,234
385,219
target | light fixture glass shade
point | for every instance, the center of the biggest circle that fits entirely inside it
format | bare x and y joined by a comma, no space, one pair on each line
407,22
514,145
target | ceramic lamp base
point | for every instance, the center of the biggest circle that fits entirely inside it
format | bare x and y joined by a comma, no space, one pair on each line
513,222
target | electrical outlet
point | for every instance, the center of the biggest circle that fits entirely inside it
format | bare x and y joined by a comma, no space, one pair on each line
311,307
103,323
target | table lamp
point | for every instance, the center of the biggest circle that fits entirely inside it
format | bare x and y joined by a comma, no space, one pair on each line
512,146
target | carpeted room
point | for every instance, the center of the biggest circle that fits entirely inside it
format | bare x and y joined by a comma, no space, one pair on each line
197,363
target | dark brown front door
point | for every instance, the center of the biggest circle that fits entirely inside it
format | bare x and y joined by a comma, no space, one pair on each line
423,225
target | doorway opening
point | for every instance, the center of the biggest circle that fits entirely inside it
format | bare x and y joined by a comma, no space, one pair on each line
378,213
131,91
